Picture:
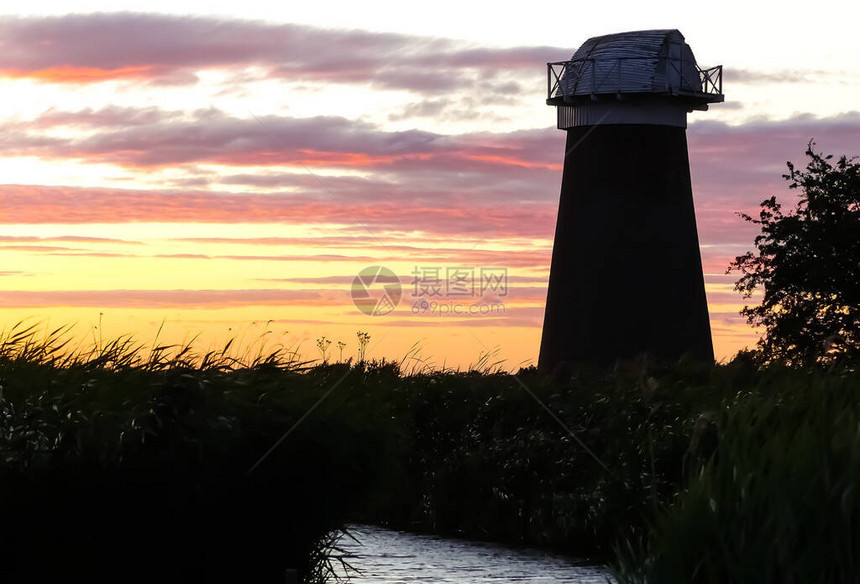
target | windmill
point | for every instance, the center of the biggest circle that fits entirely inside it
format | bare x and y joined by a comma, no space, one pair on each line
626,275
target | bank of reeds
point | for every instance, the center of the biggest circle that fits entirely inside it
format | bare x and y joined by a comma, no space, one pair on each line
130,463
126,459
778,501
525,459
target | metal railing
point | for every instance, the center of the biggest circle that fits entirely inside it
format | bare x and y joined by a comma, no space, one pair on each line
564,78
712,80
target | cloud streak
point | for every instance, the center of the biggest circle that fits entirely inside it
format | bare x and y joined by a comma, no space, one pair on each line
417,180
152,138
171,49
170,298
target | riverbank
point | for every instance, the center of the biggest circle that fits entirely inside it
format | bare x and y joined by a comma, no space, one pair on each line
120,464
215,468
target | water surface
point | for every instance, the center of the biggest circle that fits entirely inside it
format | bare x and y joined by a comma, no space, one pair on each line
392,557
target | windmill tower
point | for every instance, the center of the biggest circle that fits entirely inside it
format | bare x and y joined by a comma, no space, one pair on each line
626,274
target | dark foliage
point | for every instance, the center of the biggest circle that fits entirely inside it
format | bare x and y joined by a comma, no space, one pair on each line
807,264
778,500
136,474
480,457
115,468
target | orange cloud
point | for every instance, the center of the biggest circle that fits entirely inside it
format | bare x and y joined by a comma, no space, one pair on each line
511,161
71,74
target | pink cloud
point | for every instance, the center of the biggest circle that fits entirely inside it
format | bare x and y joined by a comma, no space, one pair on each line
501,185
49,204
169,49
66,238
171,298
163,138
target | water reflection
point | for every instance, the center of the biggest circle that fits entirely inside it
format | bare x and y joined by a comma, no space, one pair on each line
392,557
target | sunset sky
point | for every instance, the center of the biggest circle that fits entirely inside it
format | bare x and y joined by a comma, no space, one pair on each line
230,168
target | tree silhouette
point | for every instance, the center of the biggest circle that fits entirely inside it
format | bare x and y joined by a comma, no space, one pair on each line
808,265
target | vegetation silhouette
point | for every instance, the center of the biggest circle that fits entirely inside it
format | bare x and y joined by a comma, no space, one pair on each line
122,464
118,465
807,262
776,502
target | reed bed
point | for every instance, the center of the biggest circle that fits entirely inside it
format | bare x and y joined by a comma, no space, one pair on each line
133,463
241,461
777,501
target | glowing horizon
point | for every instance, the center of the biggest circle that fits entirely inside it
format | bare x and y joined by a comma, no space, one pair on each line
210,172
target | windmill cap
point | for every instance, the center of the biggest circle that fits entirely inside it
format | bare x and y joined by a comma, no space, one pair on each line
643,62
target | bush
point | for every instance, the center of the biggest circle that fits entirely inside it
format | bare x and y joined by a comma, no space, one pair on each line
778,500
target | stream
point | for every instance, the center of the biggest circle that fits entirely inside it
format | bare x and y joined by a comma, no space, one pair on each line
384,556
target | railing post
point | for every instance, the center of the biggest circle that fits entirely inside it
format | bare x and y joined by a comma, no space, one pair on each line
559,75
549,80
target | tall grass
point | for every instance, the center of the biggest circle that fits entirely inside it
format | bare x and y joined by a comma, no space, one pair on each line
111,451
778,499
479,455
31,342
125,462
